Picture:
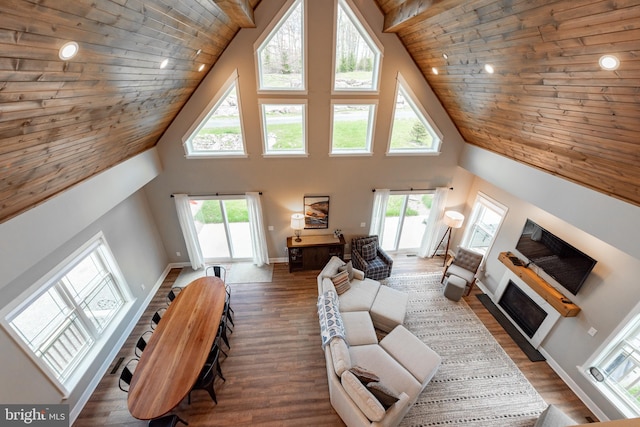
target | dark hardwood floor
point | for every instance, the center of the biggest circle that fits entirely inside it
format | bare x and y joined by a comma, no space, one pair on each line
275,373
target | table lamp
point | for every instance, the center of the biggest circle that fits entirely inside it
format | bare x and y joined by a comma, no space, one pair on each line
297,224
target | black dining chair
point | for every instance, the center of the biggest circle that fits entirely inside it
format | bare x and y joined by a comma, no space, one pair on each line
167,421
173,294
208,375
142,343
127,374
157,316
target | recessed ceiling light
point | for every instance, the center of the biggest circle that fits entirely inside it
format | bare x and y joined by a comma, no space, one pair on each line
201,67
609,62
489,68
445,56
68,50
434,70
198,52
164,63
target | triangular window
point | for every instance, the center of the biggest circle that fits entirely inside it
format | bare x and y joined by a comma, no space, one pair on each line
412,130
357,56
218,131
280,54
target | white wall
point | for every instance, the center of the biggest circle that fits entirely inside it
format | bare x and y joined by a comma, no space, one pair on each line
284,181
44,236
590,221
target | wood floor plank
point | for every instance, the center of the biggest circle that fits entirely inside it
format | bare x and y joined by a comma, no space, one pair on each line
275,370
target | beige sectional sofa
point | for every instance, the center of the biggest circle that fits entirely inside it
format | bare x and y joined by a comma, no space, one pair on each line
402,364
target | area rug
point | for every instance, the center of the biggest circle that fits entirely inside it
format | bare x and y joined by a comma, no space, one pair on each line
477,385
246,272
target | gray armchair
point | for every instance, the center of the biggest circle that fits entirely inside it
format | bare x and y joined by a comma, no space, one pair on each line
464,264
368,257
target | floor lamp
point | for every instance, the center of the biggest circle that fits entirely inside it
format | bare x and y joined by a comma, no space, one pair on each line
452,219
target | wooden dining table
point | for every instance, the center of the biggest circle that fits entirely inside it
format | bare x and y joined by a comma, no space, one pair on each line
177,350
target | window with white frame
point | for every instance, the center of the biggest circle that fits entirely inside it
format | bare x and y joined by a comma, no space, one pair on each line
483,224
357,54
70,311
352,124
218,131
284,127
617,369
412,130
281,51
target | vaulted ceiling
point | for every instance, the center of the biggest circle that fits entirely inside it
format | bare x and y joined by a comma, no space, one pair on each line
548,104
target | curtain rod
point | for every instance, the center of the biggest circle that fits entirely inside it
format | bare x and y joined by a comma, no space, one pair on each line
415,189
219,194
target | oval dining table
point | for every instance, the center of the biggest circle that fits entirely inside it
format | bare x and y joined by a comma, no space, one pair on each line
177,350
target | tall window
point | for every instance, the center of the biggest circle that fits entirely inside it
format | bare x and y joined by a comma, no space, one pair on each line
284,127
619,365
412,131
483,224
405,220
223,227
218,131
280,56
352,127
357,56
61,321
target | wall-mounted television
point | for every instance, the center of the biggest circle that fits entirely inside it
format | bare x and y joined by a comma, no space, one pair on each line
564,263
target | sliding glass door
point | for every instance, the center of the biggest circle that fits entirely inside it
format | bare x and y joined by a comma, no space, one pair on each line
405,221
223,229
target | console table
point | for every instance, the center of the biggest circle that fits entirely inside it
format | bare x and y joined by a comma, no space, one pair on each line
313,252
563,305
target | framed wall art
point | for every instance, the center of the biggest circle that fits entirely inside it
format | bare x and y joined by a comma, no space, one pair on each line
316,212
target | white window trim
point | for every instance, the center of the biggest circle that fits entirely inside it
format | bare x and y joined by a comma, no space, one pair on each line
263,124
266,36
413,99
355,14
204,116
628,323
494,205
368,150
44,284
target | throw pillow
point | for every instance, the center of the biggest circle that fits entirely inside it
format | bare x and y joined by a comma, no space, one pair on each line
348,267
385,395
340,355
341,282
369,251
364,400
365,376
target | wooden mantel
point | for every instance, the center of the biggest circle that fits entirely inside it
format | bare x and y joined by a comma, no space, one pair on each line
550,294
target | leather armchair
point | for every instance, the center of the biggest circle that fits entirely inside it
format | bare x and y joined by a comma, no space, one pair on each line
368,257
464,264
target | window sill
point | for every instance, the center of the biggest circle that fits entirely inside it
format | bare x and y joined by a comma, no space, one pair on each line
216,156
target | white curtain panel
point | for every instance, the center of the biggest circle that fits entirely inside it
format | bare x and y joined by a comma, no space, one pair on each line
380,199
183,206
434,223
256,227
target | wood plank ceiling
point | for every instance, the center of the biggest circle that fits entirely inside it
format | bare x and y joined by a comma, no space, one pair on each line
548,104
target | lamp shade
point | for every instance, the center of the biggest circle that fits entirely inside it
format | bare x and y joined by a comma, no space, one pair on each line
453,219
297,221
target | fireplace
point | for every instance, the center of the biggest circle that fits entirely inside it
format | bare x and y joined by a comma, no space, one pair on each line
522,309
525,308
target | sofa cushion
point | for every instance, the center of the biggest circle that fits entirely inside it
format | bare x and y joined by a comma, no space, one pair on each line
340,355
553,417
360,296
364,375
358,328
384,394
391,373
331,269
412,353
363,398
461,272
341,282
369,251
389,308
348,267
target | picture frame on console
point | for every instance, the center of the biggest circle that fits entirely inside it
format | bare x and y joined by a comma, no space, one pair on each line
316,212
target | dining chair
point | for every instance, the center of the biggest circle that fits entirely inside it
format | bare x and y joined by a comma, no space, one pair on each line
142,343
127,374
157,316
173,294
167,421
216,270
207,376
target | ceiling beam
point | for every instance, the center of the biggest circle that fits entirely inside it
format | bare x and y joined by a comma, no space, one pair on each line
239,11
411,11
